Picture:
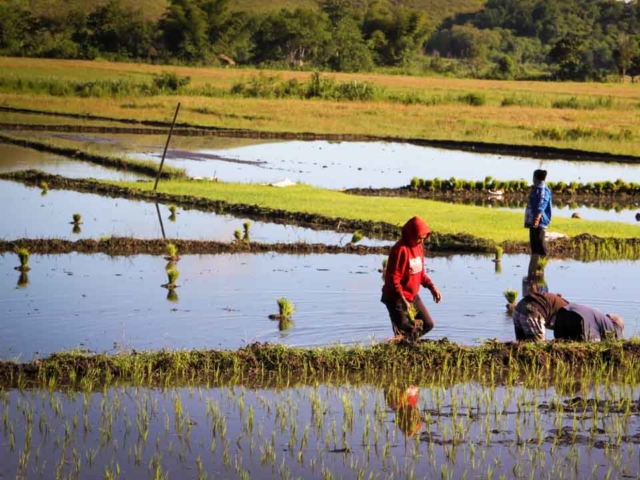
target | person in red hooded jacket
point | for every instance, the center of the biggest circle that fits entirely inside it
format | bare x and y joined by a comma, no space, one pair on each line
404,275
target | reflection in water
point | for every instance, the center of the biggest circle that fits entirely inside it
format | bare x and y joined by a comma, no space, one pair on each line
473,431
535,280
23,280
285,323
76,230
405,403
172,295
164,236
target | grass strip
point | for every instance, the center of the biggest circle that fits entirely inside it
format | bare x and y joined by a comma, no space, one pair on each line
327,209
493,362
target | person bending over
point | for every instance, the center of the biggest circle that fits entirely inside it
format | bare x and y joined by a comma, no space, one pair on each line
535,312
584,323
404,275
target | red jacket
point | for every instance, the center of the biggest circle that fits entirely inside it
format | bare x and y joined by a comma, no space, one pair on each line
405,269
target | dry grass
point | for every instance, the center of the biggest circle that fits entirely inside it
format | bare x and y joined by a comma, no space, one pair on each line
489,123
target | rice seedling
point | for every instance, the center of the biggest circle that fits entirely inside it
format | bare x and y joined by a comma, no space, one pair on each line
511,296
356,237
172,253
285,307
172,216
23,256
44,186
237,235
498,253
77,219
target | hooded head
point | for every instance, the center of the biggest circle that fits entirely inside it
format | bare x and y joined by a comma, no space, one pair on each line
415,231
616,319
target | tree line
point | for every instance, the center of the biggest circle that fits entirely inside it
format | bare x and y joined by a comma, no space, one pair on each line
565,39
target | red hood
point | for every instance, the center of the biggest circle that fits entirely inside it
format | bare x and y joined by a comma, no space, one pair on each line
414,228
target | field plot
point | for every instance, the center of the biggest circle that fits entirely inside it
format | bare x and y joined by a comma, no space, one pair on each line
104,303
50,216
390,430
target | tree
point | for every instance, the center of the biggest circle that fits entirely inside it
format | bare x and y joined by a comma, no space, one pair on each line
184,30
112,28
350,51
626,51
395,34
15,24
566,56
298,36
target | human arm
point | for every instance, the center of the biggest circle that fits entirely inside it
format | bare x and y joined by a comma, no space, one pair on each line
542,199
397,266
427,283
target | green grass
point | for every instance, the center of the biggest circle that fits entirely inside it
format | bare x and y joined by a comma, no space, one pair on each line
442,217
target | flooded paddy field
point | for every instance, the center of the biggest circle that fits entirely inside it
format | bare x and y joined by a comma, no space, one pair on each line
34,215
324,431
103,303
14,158
337,164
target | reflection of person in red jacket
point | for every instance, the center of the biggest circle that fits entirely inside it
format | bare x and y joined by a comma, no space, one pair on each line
405,404
404,275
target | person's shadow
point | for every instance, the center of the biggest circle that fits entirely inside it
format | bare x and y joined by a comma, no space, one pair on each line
405,403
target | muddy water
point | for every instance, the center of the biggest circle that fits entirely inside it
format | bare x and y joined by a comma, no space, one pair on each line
33,215
13,158
224,301
346,164
464,431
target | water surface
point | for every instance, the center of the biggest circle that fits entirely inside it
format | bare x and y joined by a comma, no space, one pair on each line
33,215
101,303
14,158
390,431
343,164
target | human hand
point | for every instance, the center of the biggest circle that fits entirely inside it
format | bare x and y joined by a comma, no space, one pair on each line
536,222
406,304
437,296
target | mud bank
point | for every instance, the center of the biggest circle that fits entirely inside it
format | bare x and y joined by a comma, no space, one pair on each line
121,246
533,151
261,359
508,197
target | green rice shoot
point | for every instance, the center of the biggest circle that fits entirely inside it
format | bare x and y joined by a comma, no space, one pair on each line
285,307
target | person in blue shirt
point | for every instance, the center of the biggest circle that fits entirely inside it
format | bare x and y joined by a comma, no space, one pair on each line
584,323
537,215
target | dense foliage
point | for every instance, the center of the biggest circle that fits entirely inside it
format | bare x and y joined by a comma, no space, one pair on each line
568,39
577,39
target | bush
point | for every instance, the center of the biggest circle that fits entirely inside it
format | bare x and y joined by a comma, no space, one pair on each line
473,99
169,81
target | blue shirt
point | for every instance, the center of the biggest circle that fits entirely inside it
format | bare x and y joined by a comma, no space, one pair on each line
539,203
595,323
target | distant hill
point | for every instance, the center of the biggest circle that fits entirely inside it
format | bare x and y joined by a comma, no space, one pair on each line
436,9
